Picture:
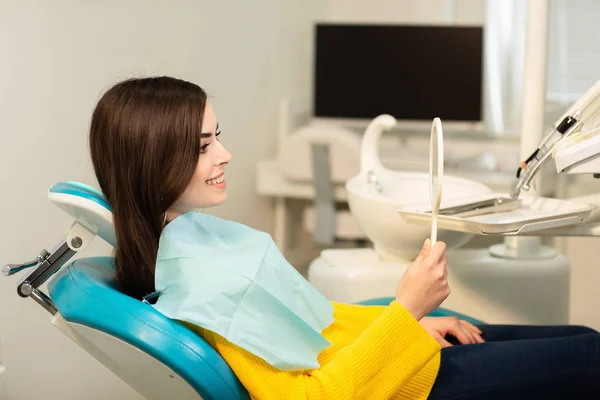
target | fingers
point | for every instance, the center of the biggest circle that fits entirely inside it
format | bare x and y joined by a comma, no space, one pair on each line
476,332
440,339
461,334
424,251
471,326
465,332
444,265
444,260
433,255
436,252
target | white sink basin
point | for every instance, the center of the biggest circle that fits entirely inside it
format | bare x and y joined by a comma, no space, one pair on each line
375,211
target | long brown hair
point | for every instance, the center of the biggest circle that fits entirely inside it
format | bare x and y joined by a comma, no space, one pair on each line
144,144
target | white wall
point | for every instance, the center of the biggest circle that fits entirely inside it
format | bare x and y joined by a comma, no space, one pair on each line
57,58
574,48
406,11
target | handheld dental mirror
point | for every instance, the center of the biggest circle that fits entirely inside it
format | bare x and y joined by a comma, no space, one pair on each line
436,173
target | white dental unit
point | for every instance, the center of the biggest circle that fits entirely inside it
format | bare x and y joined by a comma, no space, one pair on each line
517,281
394,209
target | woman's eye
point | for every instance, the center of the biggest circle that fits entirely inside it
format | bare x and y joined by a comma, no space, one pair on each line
203,148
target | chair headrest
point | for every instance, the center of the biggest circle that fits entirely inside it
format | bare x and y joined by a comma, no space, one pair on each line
86,205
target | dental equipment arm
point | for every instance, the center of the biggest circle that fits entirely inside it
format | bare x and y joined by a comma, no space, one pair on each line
574,146
48,263
584,113
90,221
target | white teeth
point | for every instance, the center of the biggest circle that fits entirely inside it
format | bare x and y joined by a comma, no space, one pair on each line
215,181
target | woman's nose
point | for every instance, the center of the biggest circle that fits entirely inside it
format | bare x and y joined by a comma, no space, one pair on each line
224,156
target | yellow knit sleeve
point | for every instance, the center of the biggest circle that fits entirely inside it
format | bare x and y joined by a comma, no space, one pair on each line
381,363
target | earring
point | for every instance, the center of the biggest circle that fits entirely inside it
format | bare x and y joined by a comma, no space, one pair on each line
165,214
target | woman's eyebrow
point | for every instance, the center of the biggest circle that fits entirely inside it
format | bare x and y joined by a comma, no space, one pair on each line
207,135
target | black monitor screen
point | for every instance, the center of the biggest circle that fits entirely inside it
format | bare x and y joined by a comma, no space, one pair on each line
411,72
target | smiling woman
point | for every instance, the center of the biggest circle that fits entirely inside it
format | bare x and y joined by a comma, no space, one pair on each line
154,148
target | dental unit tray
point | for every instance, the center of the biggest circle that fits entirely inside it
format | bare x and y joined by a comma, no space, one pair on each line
480,207
499,214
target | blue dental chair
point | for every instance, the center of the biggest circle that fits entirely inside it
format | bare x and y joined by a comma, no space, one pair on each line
158,357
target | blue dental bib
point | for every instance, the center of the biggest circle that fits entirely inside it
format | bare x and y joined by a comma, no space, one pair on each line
233,280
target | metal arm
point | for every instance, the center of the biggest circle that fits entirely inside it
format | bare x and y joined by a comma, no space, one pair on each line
48,263
584,113
530,168
12,269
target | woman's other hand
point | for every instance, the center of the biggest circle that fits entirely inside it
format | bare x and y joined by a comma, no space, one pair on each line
439,327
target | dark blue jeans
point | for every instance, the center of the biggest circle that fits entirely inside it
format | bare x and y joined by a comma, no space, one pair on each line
522,362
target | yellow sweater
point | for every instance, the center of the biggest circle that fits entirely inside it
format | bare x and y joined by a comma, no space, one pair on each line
377,353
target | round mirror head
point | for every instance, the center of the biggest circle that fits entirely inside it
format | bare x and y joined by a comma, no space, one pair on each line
436,173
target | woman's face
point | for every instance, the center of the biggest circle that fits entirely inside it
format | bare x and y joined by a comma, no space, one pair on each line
207,187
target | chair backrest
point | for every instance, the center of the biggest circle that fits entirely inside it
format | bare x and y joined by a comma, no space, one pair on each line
84,294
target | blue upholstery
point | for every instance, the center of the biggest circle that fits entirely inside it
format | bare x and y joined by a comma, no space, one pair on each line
80,190
83,293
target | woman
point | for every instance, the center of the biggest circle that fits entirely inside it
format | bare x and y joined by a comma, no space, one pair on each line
156,155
